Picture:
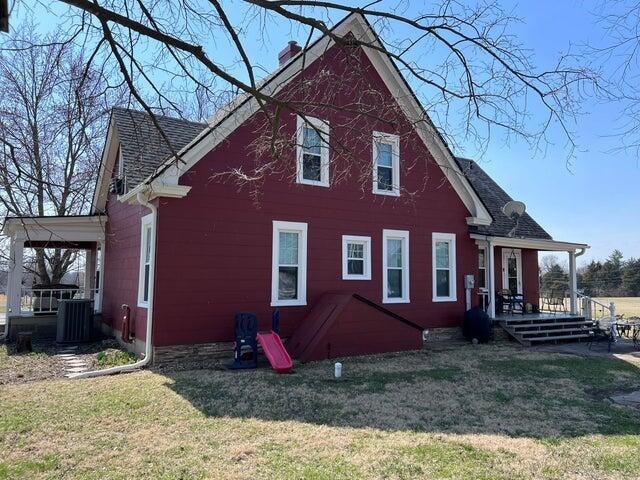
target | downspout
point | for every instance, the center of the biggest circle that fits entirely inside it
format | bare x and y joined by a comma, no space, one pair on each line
142,199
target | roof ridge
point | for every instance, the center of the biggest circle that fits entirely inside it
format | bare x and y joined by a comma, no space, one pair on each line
164,117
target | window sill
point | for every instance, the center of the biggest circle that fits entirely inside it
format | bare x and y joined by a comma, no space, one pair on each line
313,183
396,300
392,193
143,305
444,299
285,303
359,277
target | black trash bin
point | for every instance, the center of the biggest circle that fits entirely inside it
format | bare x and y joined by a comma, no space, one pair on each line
478,325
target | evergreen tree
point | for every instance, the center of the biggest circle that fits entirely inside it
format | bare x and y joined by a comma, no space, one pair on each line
630,278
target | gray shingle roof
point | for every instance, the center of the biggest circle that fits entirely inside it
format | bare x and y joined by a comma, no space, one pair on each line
494,198
143,148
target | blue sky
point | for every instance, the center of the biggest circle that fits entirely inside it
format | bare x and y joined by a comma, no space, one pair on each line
595,199
592,198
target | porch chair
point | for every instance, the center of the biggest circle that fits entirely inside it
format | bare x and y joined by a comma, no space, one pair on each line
604,330
511,302
554,301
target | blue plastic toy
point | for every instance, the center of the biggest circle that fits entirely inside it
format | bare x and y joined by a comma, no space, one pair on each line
275,321
246,338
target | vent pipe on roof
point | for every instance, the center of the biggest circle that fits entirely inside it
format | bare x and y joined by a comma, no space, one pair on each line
290,51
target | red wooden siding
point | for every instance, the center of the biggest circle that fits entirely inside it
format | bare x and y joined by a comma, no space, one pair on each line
214,252
122,263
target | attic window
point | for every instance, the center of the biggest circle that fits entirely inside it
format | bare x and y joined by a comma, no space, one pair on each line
386,164
312,159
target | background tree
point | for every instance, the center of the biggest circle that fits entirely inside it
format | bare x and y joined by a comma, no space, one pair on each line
611,274
630,285
590,279
54,107
553,276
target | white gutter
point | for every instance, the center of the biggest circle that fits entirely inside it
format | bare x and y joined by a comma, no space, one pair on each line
142,198
533,243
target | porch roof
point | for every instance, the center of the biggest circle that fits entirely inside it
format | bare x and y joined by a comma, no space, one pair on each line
532,243
74,231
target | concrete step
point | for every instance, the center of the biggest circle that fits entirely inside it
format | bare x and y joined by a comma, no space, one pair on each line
520,328
575,329
552,333
559,337
537,321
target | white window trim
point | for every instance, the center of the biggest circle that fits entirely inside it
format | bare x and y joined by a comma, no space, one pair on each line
486,270
146,221
323,127
366,241
453,283
394,141
301,230
396,235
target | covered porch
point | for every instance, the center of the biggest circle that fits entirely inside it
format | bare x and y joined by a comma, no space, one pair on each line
83,232
510,269
511,295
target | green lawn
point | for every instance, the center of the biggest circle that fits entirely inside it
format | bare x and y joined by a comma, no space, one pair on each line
485,412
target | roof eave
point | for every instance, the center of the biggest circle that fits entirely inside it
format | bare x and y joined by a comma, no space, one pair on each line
532,243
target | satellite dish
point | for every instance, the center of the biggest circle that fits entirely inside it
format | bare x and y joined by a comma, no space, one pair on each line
514,210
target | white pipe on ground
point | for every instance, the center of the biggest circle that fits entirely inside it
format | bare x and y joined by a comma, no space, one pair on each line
148,351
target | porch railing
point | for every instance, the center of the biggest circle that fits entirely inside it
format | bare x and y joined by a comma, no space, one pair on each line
593,310
586,306
46,300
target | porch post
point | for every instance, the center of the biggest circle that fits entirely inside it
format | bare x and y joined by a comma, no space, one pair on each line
89,272
98,301
573,283
14,280
492,280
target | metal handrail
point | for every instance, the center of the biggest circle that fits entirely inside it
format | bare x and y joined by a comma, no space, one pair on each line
590,312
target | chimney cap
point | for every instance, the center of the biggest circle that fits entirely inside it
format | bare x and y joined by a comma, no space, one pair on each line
291,50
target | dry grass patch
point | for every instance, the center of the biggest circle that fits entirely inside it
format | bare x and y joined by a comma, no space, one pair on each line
627,306
464,412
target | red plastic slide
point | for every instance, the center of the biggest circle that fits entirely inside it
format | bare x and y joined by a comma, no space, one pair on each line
276,353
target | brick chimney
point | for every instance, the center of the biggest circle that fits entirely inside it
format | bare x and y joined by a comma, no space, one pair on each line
289,51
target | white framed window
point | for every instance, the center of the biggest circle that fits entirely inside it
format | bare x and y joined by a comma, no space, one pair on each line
483,283
444,267
312,152
386,164
356,257
395,266
289,264
145,276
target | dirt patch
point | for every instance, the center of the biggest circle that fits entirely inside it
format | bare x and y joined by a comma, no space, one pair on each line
44,364
41,364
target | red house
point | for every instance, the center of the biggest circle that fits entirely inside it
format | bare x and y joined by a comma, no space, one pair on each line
361,231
